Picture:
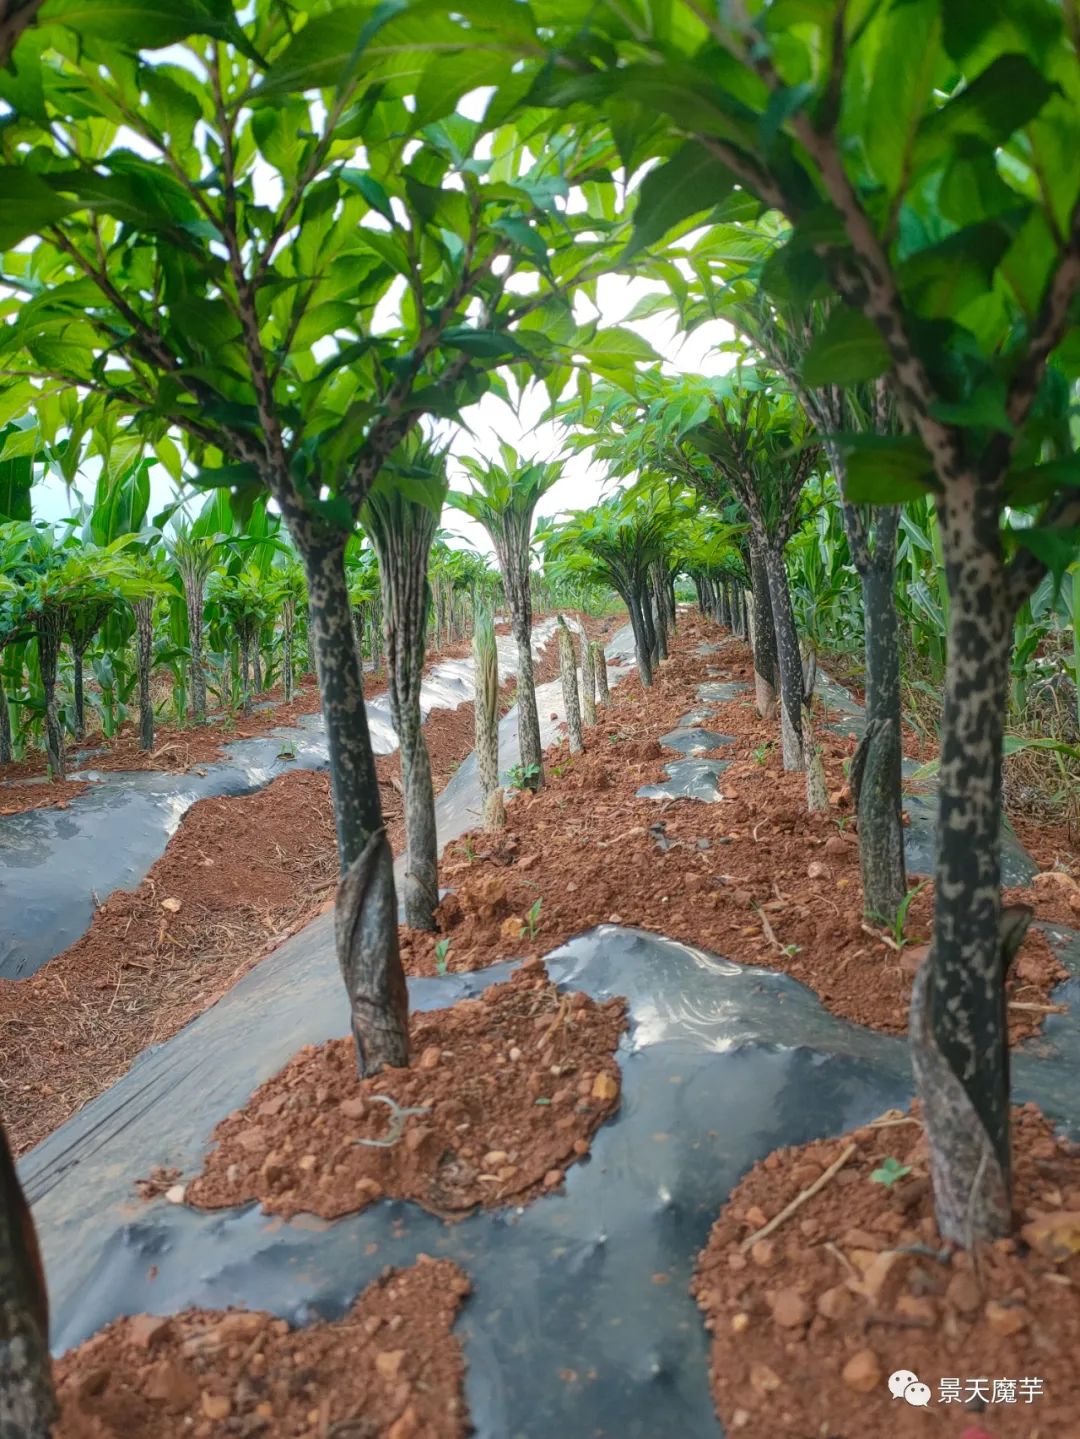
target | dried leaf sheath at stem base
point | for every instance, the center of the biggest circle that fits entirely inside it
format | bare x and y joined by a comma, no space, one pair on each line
365,925
365,921
972,1185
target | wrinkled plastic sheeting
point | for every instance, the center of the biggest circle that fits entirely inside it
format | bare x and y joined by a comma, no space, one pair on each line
722,1065
689,779
722,692
693,740
694,718
57,864
920,834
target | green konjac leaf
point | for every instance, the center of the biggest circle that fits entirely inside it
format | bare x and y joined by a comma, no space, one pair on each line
1036,483
27,205
690,183
885,469
120,504
317,57
140,24
487,344
16,478
1056,548
849,349
1005,96
902,85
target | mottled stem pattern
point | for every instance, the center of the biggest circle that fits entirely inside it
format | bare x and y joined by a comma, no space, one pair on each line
365,927
144,662
568,675
27,1399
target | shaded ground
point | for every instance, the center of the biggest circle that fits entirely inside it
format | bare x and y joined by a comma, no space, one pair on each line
504,1094
754,876
391,1369
240,874
809,1321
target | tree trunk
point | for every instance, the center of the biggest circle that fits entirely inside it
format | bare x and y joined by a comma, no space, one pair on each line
740,623
245,669
764,636
288,627
531,753
603,694
645,609
80,700
27,1398
403,560
49,628
588,681
958,1025
6,752
876,773
568,675
193,601
365,919
817,792
144,660
723,608
659,587
256,662
788,656
642,649
660,630
486,721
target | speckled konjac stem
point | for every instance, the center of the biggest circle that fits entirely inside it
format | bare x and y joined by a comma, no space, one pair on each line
366,909
27,1398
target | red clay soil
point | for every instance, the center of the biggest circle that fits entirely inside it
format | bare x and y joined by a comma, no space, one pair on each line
755,877
809,1322
239,876
178,747
504,1094
390,1369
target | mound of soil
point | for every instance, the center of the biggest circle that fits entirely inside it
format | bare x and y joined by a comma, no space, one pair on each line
754,877
505,1092
240,875
390,1369
809,1322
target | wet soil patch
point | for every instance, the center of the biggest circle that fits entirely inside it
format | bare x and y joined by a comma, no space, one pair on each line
809,1321
390,1369
753,876
240,874
504,1093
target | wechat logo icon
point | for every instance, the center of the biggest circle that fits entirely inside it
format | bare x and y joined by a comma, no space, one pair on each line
905,1385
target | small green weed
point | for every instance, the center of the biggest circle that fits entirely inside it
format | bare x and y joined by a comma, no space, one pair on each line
523,777
532,920
890,1172
442,949
897,929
